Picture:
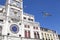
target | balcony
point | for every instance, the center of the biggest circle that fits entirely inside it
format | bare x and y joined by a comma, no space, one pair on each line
15,38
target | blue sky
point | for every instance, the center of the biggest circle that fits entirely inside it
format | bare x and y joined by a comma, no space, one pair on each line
35,7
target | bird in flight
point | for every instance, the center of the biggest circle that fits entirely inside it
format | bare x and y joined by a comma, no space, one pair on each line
46,14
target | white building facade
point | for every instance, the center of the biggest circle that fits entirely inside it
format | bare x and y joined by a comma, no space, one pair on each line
48,34
16,25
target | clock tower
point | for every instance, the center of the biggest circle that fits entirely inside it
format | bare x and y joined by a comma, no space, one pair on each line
13,14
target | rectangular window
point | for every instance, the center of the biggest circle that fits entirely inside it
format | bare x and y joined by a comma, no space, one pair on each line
33,27
36,35
36,27
46,39
1,20
29,19
25,26
42,38
51,39
0,30
1,11
28,26
24,17
27,34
